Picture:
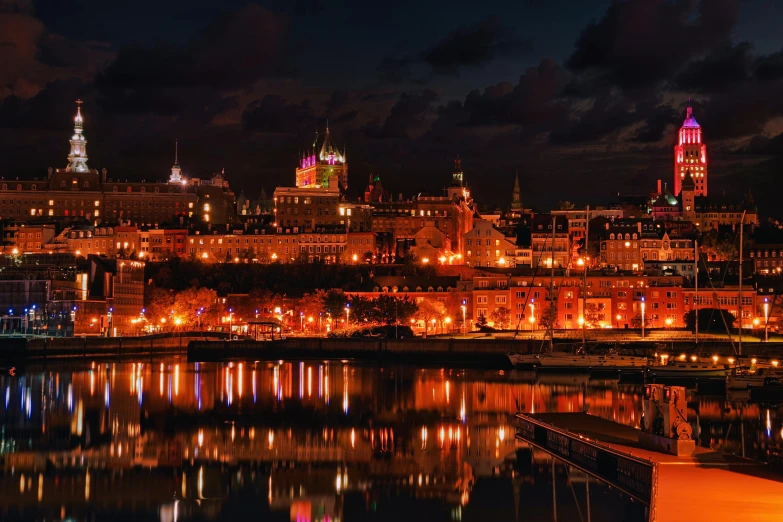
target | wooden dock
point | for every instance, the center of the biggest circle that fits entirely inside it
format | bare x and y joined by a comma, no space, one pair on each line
709,485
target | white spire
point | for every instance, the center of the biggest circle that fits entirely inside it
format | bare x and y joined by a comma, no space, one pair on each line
176,171
77,159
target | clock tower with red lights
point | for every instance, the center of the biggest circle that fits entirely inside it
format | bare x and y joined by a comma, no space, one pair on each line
690,155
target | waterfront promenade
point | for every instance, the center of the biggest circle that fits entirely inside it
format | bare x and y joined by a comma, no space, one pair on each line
709,485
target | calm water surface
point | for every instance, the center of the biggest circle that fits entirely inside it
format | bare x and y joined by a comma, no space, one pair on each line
311,440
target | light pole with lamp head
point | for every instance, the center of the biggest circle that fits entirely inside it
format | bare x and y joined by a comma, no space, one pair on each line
766,320
464,320
532,315
642,317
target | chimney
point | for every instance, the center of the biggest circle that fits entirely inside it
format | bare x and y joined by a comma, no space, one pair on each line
659,186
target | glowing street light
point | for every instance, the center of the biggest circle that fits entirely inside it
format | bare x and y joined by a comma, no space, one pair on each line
532,316
766,320
643,317
347,313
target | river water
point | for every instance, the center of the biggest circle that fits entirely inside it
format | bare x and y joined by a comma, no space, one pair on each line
312,440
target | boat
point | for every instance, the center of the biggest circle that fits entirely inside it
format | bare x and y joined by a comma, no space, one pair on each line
771,390
568,361
688,370
742,379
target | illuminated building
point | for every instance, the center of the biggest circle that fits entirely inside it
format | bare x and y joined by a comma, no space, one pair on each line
690,154
549,247
486,246
80,192
308,208
375,191
317,170
452,214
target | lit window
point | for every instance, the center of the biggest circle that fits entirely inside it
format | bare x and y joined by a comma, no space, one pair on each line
97,203
97,213
51,202
51,212
32,211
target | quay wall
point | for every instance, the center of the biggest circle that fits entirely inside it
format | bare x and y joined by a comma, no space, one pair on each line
485,351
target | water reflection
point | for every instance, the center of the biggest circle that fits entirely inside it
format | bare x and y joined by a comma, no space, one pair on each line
310,440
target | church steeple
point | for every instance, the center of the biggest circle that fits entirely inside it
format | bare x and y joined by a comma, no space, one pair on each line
516,196
176,171
457,176
77,159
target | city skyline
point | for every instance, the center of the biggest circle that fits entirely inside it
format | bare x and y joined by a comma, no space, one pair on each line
588,113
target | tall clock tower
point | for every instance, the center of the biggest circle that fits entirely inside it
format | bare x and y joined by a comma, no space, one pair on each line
690,155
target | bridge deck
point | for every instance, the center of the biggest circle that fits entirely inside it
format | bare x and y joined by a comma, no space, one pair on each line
709,485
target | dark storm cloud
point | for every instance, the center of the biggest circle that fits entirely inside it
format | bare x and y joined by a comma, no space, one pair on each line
643,42
31,56
657,119
533,101
275,114
468,46
409,113
770,67
233,52
725,65
606,115
474,46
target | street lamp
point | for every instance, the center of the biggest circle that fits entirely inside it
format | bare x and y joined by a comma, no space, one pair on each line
642,317
766,320
532,315
230,322
347,314
464,322
668,322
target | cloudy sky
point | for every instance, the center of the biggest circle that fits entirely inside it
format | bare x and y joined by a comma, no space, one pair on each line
583,98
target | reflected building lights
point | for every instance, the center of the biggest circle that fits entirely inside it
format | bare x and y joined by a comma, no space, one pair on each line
240,384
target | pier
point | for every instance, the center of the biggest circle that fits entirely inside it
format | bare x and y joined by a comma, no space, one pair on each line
707,485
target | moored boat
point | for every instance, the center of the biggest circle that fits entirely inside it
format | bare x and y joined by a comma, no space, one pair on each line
688,370
741,379
566,361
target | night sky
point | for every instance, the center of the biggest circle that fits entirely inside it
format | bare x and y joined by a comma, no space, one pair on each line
582,97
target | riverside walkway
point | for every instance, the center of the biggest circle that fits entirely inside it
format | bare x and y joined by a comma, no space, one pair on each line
708,485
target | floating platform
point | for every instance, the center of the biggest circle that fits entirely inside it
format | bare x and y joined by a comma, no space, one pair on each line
708,485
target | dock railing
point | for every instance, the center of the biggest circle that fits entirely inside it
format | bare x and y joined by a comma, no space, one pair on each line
636,477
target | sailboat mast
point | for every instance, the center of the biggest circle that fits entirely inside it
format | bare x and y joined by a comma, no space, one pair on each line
584,277
551,316
696,286
740,284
